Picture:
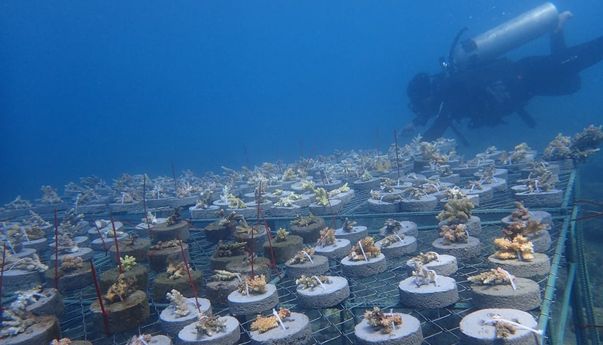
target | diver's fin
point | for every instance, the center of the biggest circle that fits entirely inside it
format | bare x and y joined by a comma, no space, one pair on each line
459,135
437,128
526,117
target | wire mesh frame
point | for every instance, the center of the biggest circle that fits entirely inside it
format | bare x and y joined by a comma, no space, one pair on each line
330,326
333,325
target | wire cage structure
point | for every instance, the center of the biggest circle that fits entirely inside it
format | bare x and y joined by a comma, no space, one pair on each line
336,325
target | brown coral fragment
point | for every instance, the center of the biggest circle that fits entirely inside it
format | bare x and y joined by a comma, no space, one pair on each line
263,324
391,239
223,275
456,211
311,282
302,256
177,270
62,341
230,249
504,329
143,339
425,258
456,233
365,249
348,225
519,248
528,228
210,325
495,276
120,290
165,244
327,237
253,285
305,221
521,213
71,263
391,226
384,322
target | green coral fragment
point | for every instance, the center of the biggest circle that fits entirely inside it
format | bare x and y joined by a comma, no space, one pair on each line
128,262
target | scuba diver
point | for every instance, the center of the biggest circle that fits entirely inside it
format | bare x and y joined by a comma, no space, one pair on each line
478,86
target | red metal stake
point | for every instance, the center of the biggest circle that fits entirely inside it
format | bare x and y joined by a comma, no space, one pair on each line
56,250
190,277
175,181
324,181
2,276
102,238
100,298
121,269
258,201
272,258
144,201
397,159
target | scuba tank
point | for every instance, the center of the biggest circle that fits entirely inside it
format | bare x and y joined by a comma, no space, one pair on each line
509,35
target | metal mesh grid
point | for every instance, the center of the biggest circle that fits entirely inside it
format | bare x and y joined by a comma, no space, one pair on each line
330,326
333,325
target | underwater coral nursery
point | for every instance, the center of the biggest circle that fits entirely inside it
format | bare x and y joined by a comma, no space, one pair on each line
274,252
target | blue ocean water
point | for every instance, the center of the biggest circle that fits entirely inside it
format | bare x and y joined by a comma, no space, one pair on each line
101,87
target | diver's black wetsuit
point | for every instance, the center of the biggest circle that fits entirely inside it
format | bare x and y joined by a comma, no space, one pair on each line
485,94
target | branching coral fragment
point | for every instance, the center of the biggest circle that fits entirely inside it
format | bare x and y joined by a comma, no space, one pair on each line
281,235
50,195
343,189
495,276
541,179
456,211
321,196
423,276
15,321
559,148
174,218
230,249
71,263
177,270
391,239
143,339
120,290
391,226
526,229
235,202
311,282
128,262
380,321
210,325
32,263
327,237
425,258
456,233
348,225
253,285
305,221
414,193
518,248
223,275
520,214
302,256
178,302
165,244
263,324
365,249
